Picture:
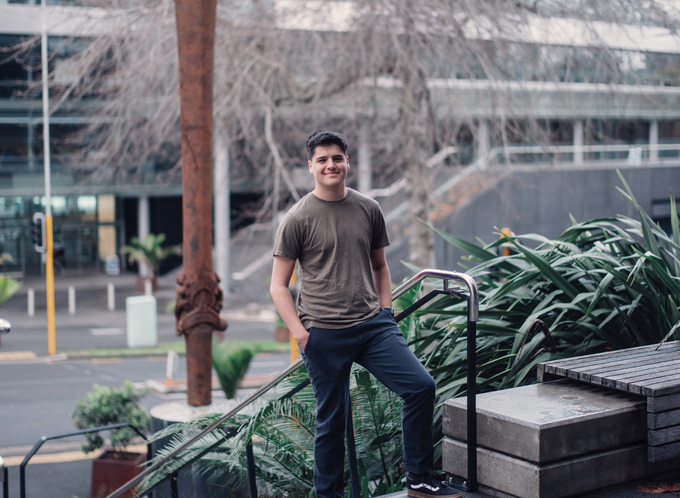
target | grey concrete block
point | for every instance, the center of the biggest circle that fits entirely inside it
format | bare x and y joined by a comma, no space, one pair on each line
663,419
548,422
663,403
663,436
663,452
570,477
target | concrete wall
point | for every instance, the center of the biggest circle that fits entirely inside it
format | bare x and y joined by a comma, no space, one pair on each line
539,200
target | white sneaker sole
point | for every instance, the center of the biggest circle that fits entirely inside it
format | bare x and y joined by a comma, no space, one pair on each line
418,494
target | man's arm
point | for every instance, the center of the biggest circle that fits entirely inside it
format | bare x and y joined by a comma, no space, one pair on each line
281,274
381,277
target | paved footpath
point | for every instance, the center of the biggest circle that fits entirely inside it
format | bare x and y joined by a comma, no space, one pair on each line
37,394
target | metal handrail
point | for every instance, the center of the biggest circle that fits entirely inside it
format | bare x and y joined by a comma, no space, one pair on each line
473,315
511,150
44,439
445,275
4,477
208,429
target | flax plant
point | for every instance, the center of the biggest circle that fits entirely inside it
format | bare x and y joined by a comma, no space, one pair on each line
604,284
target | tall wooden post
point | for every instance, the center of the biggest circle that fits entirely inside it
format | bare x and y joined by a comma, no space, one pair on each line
199,298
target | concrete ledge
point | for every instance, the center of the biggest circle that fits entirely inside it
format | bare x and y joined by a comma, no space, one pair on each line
570,477
543,423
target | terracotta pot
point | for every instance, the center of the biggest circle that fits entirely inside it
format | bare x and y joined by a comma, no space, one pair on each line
281,334
141,280
112,469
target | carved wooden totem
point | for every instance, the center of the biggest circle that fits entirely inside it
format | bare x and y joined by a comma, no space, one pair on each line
199,298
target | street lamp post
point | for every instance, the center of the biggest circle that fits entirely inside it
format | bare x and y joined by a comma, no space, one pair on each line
199,297
49,249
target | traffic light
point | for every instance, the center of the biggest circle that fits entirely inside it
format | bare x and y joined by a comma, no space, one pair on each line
38,232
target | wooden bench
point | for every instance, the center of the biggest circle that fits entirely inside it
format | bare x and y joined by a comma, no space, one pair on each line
645,371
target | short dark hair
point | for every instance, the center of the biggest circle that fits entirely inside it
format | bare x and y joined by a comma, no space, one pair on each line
325,138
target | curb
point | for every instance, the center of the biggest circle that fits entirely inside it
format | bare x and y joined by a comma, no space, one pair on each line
39,359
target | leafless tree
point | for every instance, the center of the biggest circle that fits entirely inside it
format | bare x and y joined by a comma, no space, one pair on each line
289,67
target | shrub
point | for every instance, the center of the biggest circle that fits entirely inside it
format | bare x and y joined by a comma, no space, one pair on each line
107,406
231,361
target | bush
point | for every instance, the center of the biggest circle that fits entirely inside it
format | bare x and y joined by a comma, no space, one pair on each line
107,406
231,361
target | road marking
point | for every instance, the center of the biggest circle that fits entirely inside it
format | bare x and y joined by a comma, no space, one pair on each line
100,361
18,355
66,456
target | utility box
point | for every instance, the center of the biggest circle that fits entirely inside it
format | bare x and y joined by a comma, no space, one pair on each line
142,328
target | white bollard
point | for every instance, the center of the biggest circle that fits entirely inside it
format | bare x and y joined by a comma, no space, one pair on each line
31,302
171,366
111,296
148,287
142,327
71,300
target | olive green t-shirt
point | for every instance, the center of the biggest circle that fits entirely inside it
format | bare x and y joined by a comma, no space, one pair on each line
333,243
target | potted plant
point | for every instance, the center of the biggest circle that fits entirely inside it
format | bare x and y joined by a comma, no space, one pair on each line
150,252
281,332
107,406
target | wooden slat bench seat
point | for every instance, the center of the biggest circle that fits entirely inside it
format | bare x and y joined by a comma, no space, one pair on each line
645,371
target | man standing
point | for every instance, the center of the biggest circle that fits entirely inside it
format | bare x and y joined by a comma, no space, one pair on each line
344,316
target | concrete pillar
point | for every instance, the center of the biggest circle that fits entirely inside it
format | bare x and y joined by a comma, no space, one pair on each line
222,207
143,227
578,141
483,138
365,167
653,140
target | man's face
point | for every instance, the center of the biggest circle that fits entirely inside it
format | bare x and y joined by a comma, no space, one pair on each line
329,166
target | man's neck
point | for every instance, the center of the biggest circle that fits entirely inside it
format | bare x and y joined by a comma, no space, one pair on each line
330,195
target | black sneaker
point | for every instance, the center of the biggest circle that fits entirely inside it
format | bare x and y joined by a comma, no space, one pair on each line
428,486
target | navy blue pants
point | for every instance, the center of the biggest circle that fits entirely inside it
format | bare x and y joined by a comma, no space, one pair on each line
378,346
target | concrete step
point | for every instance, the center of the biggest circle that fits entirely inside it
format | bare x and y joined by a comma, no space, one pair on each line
547,422
553,440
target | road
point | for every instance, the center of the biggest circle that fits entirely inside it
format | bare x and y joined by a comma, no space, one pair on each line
38,398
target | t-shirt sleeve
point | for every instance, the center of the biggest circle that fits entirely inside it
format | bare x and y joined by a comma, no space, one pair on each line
288,240
380,237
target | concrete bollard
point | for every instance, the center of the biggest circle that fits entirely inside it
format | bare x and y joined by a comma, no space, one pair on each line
30,297
71,300
148,287
142,326
171,367
111,296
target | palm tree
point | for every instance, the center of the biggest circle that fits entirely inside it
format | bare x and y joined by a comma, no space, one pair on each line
150,252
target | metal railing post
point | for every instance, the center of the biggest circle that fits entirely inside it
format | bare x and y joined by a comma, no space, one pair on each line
4,477
472,406
472,318
250,458
42,440
173,485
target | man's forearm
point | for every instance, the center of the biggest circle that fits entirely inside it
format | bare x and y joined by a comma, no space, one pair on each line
286,308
